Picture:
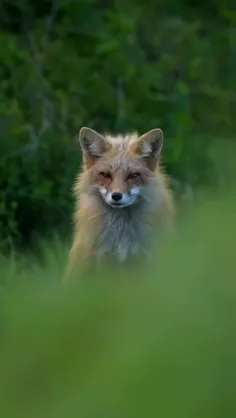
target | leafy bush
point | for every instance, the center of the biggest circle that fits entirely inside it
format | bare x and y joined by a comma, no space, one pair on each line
117,68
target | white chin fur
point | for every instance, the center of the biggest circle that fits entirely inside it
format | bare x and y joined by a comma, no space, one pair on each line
127,198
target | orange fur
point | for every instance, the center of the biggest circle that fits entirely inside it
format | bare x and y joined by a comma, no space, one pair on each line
125,164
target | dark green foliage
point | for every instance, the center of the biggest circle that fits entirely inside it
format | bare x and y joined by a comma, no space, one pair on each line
114,66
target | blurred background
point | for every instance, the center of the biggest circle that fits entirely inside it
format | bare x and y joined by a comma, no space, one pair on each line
113,66
158,342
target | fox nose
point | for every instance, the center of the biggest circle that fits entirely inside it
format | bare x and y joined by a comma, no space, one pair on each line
116,196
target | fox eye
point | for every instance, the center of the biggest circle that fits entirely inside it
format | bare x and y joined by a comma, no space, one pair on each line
133,175
105,174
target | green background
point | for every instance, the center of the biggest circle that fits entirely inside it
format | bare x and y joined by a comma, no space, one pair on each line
114,66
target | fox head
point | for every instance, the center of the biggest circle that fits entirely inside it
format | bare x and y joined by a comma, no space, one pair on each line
119,169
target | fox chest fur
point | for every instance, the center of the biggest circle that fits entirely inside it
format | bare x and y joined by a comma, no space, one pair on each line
122,234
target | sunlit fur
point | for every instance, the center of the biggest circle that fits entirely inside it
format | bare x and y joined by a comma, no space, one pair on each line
101,228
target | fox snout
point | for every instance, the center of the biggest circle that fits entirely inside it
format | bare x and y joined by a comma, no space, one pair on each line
119,199
116,196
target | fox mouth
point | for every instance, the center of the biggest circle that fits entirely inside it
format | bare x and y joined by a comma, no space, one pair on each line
118,205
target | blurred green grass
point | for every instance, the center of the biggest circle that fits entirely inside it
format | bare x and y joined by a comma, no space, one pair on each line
159,342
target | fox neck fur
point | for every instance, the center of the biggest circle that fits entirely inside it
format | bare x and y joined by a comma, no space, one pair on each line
117,233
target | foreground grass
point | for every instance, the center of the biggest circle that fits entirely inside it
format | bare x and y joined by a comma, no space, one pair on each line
158,343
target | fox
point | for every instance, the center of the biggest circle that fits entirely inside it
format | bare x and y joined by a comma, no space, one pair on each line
123,198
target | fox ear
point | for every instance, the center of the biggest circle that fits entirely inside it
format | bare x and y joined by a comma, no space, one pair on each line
92,143
149,146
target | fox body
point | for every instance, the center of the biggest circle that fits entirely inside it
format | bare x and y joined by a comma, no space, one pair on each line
122,194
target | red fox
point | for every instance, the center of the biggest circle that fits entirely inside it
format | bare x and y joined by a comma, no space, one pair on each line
123,198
